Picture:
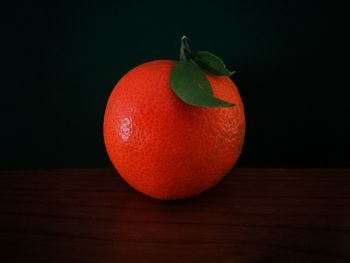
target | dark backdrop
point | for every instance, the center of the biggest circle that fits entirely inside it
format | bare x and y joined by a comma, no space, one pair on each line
61,60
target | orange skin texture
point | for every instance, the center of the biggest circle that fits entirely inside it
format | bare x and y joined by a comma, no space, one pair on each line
164,147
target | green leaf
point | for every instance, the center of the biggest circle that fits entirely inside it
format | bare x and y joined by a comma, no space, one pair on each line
190,84
211,63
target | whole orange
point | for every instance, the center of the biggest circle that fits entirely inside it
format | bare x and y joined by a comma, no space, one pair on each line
163,147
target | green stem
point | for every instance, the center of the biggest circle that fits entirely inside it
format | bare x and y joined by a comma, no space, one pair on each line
185,50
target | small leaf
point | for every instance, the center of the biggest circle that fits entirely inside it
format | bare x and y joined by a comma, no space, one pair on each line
211,63
190,84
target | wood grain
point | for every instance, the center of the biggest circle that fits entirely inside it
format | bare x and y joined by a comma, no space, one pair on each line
253,215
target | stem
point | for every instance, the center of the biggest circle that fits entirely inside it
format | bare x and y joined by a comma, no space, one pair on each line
185,50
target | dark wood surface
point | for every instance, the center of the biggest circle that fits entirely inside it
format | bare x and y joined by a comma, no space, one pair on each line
253,215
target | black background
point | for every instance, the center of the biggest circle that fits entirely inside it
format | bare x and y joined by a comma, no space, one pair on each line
61,60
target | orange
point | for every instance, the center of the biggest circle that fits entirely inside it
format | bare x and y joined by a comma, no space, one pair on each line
163,147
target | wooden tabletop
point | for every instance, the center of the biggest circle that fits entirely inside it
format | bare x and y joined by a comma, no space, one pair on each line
253,215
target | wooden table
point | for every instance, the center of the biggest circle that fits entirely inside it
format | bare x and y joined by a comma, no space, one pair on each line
253,215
